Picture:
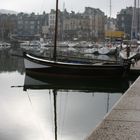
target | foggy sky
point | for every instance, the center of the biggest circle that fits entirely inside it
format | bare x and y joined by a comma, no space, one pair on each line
38,6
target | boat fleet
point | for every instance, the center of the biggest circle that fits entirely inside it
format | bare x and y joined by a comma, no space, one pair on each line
82,47
74,67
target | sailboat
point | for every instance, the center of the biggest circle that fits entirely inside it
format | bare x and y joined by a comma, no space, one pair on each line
73,69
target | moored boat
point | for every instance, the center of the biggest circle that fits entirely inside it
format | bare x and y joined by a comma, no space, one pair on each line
107,50
56,69
30,45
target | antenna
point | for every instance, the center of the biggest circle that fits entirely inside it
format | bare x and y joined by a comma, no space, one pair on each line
63,6
110,8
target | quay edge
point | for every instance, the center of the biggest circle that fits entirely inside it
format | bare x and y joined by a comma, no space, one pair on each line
123,121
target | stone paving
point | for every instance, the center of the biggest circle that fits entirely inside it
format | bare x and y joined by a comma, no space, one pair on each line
123,121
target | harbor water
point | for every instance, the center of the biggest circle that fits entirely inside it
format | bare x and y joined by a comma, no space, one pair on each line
34,109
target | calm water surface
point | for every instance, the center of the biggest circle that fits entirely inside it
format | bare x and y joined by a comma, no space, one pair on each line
32,109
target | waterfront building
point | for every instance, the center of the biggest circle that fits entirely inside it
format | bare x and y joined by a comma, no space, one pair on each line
28,26
76,26
7,25
45,26
97,21
88,25
124,21
51,24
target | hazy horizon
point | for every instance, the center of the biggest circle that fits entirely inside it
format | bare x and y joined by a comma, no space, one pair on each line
39,6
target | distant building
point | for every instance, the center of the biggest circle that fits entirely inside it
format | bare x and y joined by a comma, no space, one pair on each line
76,26
45,26
7,25
88,25
28,26
97,21
110,24
51,21
124,21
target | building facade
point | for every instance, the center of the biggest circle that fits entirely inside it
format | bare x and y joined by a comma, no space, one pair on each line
88,25
124,21
8,24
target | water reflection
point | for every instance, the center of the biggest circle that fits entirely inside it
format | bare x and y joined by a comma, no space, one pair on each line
72,109
29,108
95,85
9,63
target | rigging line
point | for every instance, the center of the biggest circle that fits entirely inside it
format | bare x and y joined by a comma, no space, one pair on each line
65,107
38,122
29,99
61,119
60,106
107,109
51,105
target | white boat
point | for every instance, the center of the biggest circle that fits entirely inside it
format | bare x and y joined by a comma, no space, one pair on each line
73,44
107,50
4,45
91,51
103,50
29,45
63,44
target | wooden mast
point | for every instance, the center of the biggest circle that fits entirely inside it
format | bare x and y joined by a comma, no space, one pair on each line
55,112
56,27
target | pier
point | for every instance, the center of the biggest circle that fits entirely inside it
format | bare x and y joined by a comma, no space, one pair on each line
123,121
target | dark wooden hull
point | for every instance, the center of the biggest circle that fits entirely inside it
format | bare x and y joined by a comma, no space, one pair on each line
54,69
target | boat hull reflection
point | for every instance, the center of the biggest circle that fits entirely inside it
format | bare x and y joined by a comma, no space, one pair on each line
78,105
98,85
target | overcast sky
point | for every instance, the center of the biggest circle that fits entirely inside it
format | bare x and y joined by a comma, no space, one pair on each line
38,6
